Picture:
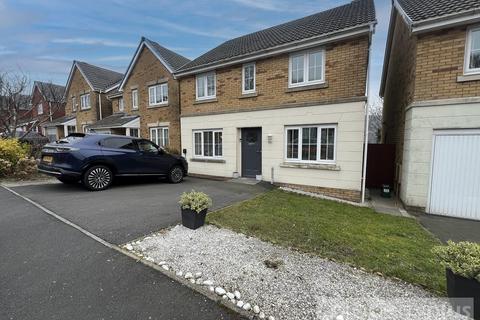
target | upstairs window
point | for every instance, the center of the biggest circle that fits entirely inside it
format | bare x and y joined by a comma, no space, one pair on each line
311,144
472,59
307,68
248,78
74,104
85,101
206,86
40,108
121,105
158,94
135,99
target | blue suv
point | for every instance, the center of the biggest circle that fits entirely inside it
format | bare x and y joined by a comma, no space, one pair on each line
95,159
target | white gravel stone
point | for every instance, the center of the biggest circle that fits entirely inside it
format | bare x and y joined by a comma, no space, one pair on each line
192,281
230,295
237,294
198,275
129,247
211,288
188,275
247,306
161,263
339,317
240,303
256,309
179,274
208,283
271,318
225,297
220,291
301,288
199,281
149,259
261,315
165,267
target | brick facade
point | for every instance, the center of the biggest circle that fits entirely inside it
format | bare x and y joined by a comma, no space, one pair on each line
345,70
79,86
147,71
349,195
51,110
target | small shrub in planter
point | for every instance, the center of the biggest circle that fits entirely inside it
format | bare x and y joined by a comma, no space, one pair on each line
194,206
462,263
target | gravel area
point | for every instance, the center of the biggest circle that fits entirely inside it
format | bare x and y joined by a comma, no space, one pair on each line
282,283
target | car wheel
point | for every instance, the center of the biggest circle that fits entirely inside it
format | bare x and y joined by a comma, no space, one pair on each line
97,178
67,180
176,174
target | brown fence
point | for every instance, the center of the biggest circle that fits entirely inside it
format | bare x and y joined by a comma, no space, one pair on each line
380,165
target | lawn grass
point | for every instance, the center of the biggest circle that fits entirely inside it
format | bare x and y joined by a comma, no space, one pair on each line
395,246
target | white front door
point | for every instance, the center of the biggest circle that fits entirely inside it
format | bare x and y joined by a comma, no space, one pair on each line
455,177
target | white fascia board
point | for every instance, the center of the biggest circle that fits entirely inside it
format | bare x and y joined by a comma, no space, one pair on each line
70,122
289,47
135,123
445,22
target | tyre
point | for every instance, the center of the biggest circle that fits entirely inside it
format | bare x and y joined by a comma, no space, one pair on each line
68,180
175,175
97,178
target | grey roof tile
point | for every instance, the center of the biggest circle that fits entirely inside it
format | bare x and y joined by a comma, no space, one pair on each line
356,13
59,121
115,120
418,10
173,59
100,78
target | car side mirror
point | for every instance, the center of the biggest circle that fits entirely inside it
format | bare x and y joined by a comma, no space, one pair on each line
161,151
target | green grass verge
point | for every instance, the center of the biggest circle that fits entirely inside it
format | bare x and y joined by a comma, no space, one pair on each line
395,246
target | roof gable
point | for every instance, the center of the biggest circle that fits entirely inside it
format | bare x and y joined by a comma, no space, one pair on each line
171,60
50,92
355,14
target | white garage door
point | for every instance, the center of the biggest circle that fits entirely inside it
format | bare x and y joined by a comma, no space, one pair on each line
455,180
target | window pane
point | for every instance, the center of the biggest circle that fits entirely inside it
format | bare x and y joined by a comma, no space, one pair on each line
292,144
309,144
248,81
198,143
118,143
201,86
475,59
151,95
134,99
211,84
327,151
315,66
165,137
297,69
475,40
208,143
164,93
218,143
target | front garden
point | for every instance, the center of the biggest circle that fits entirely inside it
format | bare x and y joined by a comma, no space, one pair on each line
16,162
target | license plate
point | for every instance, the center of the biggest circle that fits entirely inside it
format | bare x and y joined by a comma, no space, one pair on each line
47,159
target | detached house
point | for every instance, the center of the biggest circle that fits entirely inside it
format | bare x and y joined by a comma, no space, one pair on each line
286,104
47,105
431,90
86,94
147,100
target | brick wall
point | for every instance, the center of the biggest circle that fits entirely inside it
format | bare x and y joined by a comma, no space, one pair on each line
350,195
58,109
345,74
399,86
440,60
147,71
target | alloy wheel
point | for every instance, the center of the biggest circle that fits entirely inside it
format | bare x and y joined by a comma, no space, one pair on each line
99,178
176,174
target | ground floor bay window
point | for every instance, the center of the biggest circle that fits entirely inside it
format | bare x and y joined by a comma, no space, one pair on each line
208,143
159,136
311,144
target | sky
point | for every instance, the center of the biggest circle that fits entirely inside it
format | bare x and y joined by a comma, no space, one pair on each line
42,38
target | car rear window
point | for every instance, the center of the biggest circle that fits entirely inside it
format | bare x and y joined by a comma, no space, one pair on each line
118,143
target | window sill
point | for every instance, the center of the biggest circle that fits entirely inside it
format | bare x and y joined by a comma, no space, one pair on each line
86,109
468,77
156,106
307,87
248,95
207,160
205,101
319,166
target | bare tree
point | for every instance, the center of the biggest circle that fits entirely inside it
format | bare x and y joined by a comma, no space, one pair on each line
375,121
14,102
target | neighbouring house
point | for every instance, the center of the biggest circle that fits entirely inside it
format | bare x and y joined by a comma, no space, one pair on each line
48,104
147,101
286,104
60,127
86,93
431,90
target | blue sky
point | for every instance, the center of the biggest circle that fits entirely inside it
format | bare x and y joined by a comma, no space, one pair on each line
41,38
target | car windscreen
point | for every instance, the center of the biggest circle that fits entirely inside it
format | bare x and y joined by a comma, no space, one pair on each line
70,139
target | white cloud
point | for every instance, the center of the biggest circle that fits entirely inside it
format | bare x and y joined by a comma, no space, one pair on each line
95,41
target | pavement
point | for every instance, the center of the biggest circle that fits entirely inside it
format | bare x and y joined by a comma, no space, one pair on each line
50,270
447,228
386,205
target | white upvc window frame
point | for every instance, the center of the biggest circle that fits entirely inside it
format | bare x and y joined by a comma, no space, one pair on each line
165,138
246,65
305,54
40,108
202,132
153,89
468,48
135,99
121,105
74,103
204,77
319,127
85,103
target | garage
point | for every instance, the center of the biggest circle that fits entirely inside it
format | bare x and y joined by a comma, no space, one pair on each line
455,174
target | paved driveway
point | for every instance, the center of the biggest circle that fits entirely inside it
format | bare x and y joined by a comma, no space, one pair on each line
130,210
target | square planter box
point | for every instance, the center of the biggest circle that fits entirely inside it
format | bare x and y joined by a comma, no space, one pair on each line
459,287
192,219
